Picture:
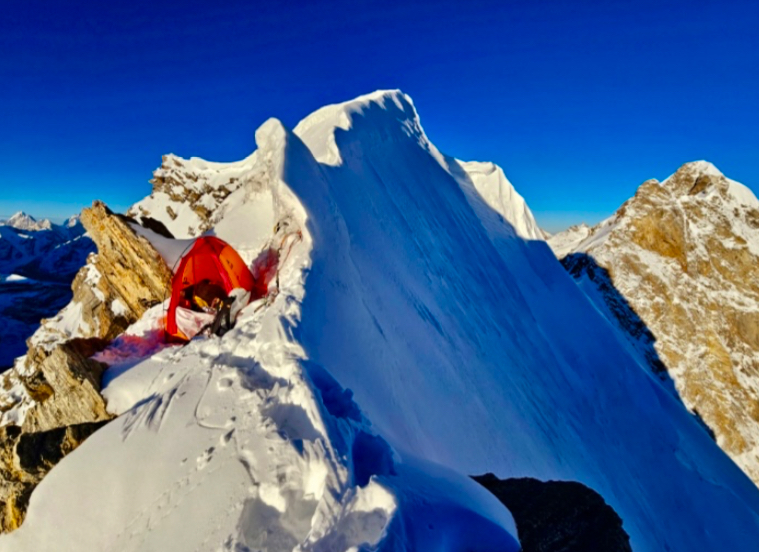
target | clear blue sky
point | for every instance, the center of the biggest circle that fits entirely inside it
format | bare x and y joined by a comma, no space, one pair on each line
578,101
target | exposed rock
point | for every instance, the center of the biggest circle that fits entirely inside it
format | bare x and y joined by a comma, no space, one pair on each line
188,193
684,256
37,453
65,385
114,289
559,516
25,458
14,500
53,392
126,269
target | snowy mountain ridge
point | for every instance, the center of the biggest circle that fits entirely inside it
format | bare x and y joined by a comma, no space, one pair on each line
38,260
684,254
414,339
22,221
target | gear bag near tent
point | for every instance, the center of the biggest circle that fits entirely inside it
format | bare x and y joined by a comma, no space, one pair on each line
211,280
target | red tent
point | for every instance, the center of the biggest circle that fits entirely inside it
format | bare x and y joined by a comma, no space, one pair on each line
217,262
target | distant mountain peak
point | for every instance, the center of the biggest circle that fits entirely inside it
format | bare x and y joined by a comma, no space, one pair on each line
22,221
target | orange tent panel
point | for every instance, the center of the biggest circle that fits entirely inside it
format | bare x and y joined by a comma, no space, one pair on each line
209,259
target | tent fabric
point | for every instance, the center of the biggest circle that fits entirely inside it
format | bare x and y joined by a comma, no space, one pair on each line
209,259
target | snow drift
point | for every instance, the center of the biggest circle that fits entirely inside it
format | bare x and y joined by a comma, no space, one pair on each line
416,337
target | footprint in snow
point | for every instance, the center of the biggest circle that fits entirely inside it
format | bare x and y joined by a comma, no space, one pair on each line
224,439
225,383
205,458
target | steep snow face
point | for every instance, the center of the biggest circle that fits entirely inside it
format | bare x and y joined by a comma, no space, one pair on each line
415,339
491,183
488,179
684,254
451,304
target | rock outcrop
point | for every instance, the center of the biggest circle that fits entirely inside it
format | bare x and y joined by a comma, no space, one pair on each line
559,516
64,386
25,458
125,278
52,395
684,256
187,193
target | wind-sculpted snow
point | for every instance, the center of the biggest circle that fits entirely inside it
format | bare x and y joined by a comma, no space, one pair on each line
414,339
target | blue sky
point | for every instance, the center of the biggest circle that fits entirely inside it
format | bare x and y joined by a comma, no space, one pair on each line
579,102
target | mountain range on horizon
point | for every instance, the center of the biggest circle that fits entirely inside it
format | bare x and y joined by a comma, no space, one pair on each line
420,330
38,261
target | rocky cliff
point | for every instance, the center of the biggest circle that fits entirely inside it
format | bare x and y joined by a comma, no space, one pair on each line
187,193
52,395
677,268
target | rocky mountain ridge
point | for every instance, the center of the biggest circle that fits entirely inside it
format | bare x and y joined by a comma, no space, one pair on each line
51,400
187,193
683,255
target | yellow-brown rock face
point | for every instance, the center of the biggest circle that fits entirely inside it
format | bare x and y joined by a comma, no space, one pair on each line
57,385
684,255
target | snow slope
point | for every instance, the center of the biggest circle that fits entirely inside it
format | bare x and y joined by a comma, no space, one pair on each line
415,339
491,183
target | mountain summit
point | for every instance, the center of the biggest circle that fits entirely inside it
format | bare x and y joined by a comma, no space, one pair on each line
684,253
413,336
22,221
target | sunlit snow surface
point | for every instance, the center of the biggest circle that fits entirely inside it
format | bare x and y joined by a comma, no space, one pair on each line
415,340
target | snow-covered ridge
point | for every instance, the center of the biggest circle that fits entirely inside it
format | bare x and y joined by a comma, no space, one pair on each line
488,179
492,184
325,122
187,193
414,340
